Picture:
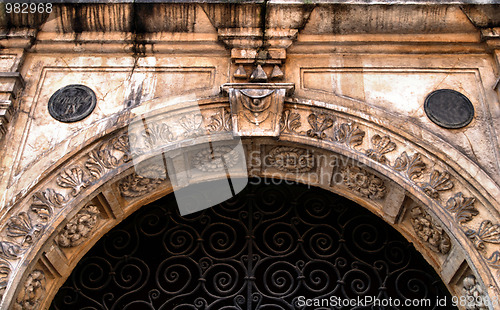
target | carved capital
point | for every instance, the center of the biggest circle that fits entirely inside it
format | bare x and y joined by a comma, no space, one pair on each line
256,108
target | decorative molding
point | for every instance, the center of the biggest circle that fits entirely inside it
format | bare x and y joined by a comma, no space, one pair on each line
319,122
349,134
12,87
413,166
218,158
381,146
73,178
433,235
192,123
220,121
32,292
487,232
99,160
44,203
21,226
9,250
365,183
156,135
438,181
289,122
78,229
121,143
463,207
291,159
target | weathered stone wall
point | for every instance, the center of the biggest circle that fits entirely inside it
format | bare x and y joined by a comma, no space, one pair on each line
361,74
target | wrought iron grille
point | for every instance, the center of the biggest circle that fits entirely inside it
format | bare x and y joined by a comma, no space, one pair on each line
261,250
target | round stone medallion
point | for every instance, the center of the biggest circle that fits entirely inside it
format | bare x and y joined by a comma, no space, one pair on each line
72,103
449,109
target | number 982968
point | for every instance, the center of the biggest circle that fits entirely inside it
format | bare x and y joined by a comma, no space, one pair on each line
28,8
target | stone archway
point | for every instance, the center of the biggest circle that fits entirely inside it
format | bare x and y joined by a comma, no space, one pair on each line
431,201
304,242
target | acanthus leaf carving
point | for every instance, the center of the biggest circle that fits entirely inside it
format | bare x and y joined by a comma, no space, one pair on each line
220,121
73,178
319,123
156,135
135,185
122,143
438,181
291,159
99,160
381,146
414,166
192,123
32,291
79,227
363,182
289,121
21,226
487,232
9,250
463,207
44,203
349,134
429,232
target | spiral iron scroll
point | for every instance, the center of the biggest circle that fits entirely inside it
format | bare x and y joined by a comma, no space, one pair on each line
260,250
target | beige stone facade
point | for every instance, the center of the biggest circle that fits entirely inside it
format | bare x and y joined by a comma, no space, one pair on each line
326,82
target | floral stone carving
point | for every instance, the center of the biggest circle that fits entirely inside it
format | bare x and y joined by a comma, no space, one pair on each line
474,294
135,185
79,227
32,292
291,159
363,182
216,159
433,235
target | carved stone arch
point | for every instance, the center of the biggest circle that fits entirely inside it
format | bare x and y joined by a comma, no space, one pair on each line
411,187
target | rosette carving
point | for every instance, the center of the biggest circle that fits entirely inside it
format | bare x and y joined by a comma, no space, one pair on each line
291,159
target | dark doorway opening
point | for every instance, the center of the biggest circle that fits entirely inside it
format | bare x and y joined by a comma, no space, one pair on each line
273,246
